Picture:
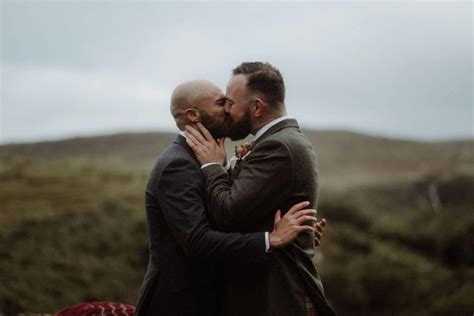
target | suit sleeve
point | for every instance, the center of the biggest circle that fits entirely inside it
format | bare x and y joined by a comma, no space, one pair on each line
181,195
263,182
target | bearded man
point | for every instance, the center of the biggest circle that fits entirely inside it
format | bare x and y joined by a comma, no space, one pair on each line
182,277
280,170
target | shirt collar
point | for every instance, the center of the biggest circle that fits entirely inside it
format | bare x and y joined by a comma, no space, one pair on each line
182,134
269,125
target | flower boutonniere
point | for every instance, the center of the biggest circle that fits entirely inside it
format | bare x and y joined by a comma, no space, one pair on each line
242,150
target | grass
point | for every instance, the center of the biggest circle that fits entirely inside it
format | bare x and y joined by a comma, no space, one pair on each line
35,190
74,231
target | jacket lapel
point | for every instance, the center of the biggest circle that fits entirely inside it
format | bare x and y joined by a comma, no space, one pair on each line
289,123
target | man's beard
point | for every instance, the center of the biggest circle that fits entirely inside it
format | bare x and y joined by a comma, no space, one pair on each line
239,129
217,129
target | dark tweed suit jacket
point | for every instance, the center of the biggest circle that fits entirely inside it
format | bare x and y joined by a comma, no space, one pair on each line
181,279
280,171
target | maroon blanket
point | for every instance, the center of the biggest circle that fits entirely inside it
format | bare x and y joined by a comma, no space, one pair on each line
98,308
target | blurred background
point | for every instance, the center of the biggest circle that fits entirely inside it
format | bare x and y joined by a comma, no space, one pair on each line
382,89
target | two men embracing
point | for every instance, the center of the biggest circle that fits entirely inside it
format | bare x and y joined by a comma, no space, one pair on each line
233,240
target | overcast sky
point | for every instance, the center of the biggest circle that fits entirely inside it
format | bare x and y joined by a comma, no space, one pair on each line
399,69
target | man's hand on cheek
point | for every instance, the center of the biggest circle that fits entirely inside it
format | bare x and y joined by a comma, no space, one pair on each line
204,146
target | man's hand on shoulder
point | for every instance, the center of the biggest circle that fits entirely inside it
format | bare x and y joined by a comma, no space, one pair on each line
294,222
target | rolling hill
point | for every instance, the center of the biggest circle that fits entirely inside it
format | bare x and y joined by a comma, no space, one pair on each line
341,154
399,239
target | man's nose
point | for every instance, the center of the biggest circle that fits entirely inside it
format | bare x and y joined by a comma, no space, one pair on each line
227,107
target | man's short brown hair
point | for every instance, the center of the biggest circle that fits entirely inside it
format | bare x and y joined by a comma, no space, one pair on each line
265,79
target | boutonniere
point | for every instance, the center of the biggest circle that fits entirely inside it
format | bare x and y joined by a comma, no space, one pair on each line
241,152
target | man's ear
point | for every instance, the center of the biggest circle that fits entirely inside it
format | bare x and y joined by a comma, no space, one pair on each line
192,115
259,107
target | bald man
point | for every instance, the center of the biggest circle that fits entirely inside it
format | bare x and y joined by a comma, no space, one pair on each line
181,277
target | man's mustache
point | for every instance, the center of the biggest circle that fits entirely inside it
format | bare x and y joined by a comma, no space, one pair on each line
228,118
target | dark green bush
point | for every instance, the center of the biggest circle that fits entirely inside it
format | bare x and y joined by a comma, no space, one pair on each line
72,258
341,212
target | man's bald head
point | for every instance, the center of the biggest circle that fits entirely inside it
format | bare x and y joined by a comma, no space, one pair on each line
191,94
200,101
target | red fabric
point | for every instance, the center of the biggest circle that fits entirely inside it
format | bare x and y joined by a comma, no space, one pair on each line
98,309
310,309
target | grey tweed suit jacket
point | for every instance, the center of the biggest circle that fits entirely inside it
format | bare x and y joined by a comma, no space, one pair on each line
280,171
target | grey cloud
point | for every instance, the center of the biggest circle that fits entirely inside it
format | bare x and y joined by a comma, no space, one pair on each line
399,69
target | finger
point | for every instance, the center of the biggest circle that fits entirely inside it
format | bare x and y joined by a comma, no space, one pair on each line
205,132
304,228
191,130
317,242
191,140
191,143
323,222
194,132
190,127
319,227
297,207
304,212
318,235
277,216
306,218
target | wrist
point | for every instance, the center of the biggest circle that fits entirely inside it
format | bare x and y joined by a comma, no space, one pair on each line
275,241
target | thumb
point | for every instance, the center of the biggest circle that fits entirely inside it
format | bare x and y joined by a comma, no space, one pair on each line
277,216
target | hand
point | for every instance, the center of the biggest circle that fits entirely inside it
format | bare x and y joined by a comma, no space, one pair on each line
286,229
318,231
204,146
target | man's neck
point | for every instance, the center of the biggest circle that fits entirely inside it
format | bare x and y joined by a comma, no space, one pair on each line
270,123
264,121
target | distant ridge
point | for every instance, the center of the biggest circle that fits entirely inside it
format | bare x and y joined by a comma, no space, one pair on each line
338,151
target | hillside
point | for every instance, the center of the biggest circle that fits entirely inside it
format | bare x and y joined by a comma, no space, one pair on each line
341,154
399,239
